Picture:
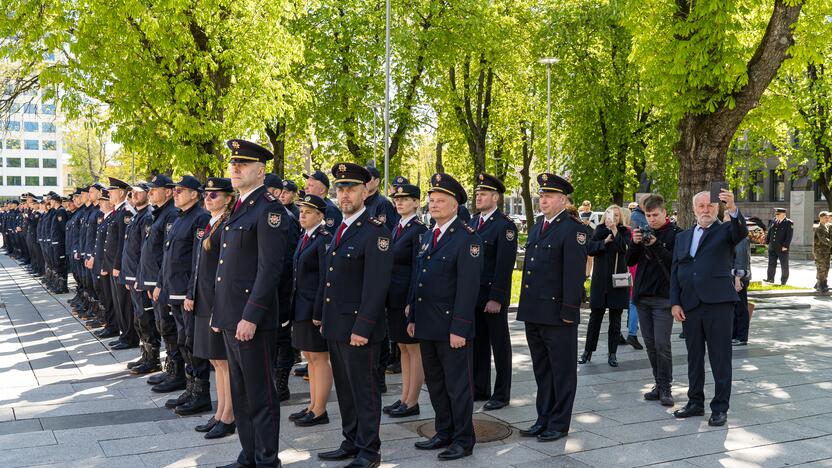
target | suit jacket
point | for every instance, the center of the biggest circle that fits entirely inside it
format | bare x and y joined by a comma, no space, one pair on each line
446,283
178,253
254,243
356,279
103,223
307,267
131,250
201,285
153,245
707,277
284,289
499,245
780,234
405,248
554,272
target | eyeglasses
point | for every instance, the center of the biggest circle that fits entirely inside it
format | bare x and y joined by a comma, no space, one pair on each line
179,190
212,195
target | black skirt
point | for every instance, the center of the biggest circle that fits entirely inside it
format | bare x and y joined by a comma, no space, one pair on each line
307,337
207,344
397,327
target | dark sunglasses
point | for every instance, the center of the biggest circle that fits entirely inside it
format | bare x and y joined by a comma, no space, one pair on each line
212,195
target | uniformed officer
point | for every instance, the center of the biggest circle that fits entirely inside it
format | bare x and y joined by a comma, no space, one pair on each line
75,238
57,241
398,181
550,299
142,306
377,204
358,267
254,243
164,214
779,238
822,248
38,267
42,238
317,184
174,278
442,302
289,196
113,252
100,269
499,241
90,226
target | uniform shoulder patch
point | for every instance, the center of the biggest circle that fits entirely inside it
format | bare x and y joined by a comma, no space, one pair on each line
383,244
324,232
268,196
274,219
510,235
376,221
470,230
580,237
475,250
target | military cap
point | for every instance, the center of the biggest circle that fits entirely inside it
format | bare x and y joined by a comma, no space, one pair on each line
780,210
273,181
77,191
160,181
189,182
84,190
445,183
36,199
118,184
823,213
98,185
553,183
374,173
301,193
55,196
489,182
350,174
141,187
218,184
290,186
319,176
313,201
407,190
246,151
105,195
400,180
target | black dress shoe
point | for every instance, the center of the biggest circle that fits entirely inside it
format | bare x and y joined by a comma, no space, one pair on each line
387,409
621,339
298,415
612,360
494,405
435,442
207,426
338,454
311,420
718,418
362,462
124,345
221,430
404,411
585,357
106,333
550,436
301,371
533,431
632,340
736,342
689,410
114,342
454,452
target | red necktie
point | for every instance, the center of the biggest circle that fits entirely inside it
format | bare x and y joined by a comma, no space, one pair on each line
341,230
436,233
305,241
545,226
482,221
237,205
398,231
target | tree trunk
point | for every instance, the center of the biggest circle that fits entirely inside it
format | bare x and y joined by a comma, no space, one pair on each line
527,133
704,139
473,117
276,133
440,167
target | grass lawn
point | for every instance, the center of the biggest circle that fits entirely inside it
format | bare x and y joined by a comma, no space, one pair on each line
760,286
517,279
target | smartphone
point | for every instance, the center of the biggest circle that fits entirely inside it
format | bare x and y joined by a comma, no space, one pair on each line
716,189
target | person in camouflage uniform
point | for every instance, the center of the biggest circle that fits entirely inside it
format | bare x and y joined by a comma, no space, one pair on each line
822,250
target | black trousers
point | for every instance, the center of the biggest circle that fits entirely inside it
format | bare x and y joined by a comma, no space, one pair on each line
776,253
492,335
741,319
656,323
353,370
709,325
593,329
166,326
124,311
105,298
554,352
256,407
449,375
144,317
196,367
284,354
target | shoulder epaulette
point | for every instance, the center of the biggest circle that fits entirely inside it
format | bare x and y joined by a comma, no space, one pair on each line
268,196
324,232
376,221
418,221
469,229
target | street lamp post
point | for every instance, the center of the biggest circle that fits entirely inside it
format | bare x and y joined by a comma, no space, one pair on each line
549,61
387,96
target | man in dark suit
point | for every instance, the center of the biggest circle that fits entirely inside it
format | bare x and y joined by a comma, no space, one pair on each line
113,252
550,301
442,312
317,183
499,243
254,242
358,265
779,238
702,297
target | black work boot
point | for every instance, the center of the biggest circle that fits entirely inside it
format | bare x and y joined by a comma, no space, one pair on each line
161,377
151,364
138,362
185,396
281,383
174,382
200,400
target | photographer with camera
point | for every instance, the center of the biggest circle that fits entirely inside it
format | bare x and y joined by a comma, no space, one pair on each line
652,250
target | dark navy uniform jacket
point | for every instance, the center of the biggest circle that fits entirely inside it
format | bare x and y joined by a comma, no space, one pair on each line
178,257
132,246
554,272
284,289
706,278
103,223
308,268
356,279
70,229
405,248
57,234
90,230
780,234
43,230
75,231
201,285
445,284
499,245
380,208
333,216
293,210
115,238
154,242
254,244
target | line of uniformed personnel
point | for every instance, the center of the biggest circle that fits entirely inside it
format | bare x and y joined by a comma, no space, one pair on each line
243,271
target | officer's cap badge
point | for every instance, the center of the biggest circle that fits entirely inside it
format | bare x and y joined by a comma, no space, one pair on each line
399,190
438,178
509,235
211,182
274,219
544,177
383,244
235,144
482,177
581,238
308,198
342,168
475,250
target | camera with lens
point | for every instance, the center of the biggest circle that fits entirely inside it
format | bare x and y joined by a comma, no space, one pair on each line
647,233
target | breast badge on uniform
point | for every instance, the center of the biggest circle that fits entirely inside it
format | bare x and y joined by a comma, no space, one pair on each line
60,218
383,244
200,233
509,235
475,250
382,217
330,222
581,238
274,219
147,230
167,227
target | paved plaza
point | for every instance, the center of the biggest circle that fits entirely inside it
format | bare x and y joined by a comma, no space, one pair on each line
66,400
